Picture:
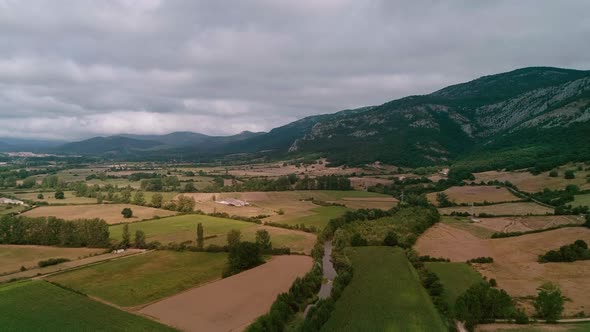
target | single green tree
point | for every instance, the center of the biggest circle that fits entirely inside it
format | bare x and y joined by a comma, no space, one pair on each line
554,173
443,199
127,213
139,239
233,238
126,242
200,236
59,195
263,240
157,200
40,196
569,174
549,302
126,196
139,198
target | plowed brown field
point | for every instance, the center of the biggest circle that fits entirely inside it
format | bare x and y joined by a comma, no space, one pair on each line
230,304
515,264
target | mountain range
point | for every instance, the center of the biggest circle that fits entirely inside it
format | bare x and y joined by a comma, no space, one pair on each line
524,116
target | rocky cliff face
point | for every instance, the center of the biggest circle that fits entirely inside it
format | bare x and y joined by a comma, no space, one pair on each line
450,122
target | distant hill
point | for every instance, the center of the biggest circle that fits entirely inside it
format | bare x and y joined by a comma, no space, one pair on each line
109,145
137,144
522,113
532,115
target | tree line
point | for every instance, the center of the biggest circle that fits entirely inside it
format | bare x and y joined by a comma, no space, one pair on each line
53,231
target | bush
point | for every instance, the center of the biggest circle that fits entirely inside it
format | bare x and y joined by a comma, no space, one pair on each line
52,261
553,174
40,196
569,174
390,239
59,195
493,282
358,241
481,260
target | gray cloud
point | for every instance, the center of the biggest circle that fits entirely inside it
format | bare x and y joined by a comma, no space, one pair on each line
74,69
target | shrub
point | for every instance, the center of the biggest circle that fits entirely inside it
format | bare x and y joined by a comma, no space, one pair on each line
481,260
569,174
40,196
59,195
52,261
390,239
553,174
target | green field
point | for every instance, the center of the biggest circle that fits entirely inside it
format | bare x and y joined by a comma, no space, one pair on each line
144,278
41,306
180,228
320,218
456,278
385,294
49,197
183,228
581,200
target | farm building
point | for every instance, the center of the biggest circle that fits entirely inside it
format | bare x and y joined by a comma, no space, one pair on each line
233,202
11,201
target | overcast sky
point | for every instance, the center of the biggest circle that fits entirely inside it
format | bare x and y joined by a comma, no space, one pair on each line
75,69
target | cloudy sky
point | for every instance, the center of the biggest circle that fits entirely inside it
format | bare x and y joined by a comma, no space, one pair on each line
75,69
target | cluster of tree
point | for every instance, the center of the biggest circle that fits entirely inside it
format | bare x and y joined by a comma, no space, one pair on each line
288,304
481,303
242,256
181,204
139,241
557,197
54,231
285,183
412,189
569,253
443,200
549,302
399,226
10,175
481,260
161,183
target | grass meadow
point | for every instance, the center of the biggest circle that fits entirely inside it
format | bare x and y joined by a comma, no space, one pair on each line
144,278
41,306
183,228
385,294
456,278
319,219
